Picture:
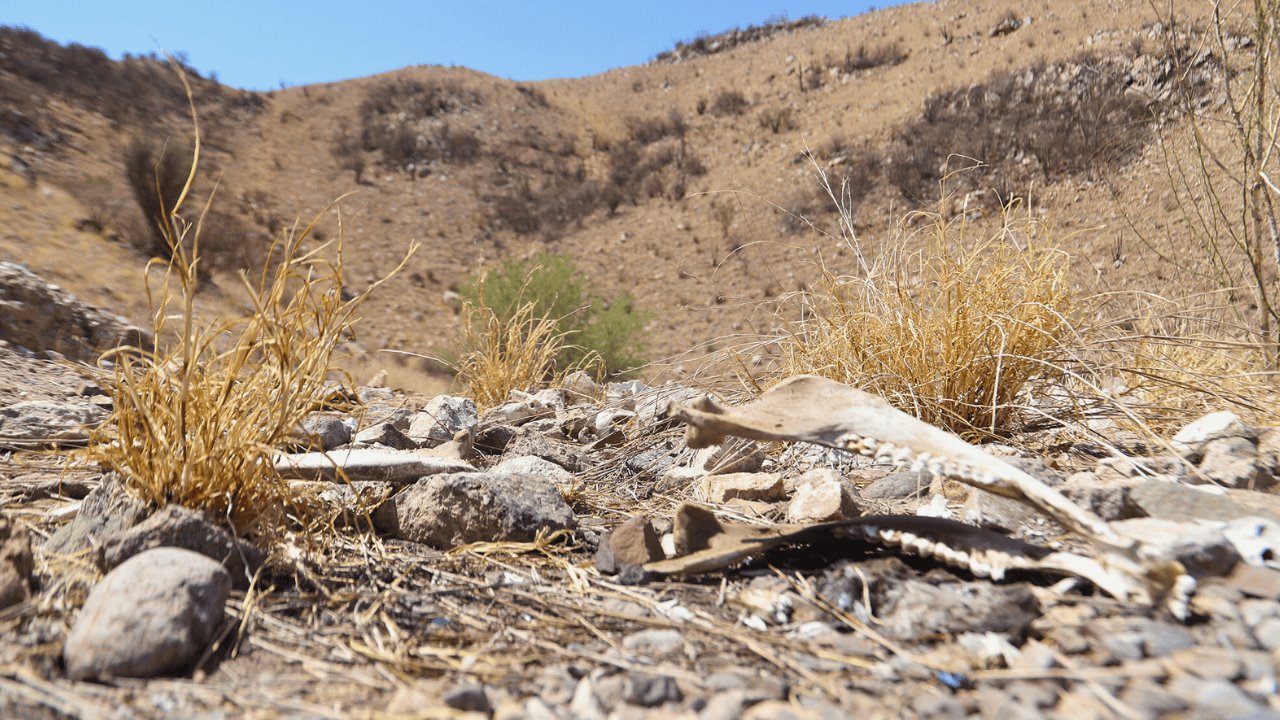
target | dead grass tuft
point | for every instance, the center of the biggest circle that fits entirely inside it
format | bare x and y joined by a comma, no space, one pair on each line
952,331
517,353
196,418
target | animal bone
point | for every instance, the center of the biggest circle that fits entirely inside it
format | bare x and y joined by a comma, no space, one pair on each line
812,409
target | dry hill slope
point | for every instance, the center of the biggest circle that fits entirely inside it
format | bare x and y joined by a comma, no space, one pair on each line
668,179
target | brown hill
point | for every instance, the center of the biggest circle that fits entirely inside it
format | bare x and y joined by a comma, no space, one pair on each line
681,181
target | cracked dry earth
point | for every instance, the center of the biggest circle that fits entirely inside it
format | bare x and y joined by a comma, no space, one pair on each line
488,565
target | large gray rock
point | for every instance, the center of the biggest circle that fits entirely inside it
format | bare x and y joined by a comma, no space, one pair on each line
443,417
326,430
531,441
1234,462
177,526
154,614
40,316
43,421
1192,438
15,562
107,510
445,511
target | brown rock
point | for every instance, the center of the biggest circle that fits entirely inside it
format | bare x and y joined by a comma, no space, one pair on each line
763,487
15,563
820,496
1262,582
634,542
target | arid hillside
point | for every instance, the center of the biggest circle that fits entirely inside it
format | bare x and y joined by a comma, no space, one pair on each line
686,181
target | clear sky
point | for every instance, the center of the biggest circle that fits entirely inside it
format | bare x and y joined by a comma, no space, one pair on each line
259,44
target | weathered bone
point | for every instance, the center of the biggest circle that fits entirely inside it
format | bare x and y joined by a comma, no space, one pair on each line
821,411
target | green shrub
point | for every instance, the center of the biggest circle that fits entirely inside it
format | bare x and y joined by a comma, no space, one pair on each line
606,332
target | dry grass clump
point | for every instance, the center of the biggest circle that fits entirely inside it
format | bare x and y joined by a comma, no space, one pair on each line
517,351
953,331
197,417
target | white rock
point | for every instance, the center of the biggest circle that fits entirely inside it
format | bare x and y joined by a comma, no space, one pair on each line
1225,424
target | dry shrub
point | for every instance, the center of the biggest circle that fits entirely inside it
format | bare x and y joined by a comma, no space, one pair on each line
729,102
952,332
516,353
197,418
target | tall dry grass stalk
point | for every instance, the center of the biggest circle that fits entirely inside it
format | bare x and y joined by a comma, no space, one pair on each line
198,416
950,328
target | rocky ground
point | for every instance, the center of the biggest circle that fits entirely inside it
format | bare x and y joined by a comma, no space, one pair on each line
494,564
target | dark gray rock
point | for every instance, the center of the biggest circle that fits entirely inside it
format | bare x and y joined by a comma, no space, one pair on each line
325,430
444,511
177,526
154,614
994,512
108,510
1175,501
493,439
917,609
468,697
16,562
385,434
651,690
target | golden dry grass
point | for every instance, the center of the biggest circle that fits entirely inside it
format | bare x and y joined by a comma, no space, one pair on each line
197,417
943,326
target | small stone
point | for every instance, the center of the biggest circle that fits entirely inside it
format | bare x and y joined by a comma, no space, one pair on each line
820,496
1192,438
585,705
16,562
915,609
177,526
325,430
385,434
993,512
1208,662
1111,469
762,487
651,690
529,441
1267,631
493,439
442,418
1216,698
154,614
1233,462
654,642
532,465
107,510
634,542
1255,581
1253,612
580,388
903,484
1151,700
445,511
943,707
468,697
1202,550
1108,500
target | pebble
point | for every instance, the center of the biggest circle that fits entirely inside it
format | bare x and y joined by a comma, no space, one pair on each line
153,614
654,642
652,690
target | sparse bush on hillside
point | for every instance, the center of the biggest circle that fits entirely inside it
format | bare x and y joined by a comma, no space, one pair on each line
648,130
595,330
157,176
778,119
405,122
705,44
866,58
729,102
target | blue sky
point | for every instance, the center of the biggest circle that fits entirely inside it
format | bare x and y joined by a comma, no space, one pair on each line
258,44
